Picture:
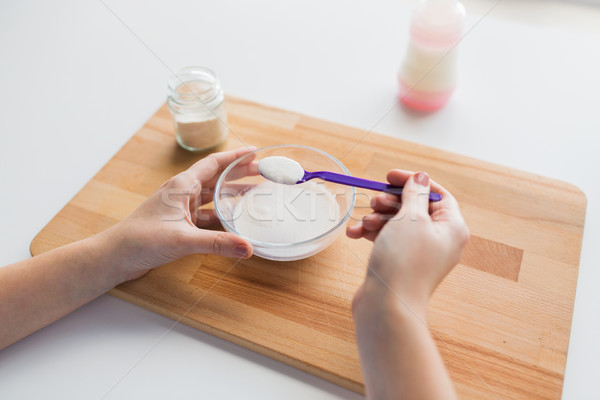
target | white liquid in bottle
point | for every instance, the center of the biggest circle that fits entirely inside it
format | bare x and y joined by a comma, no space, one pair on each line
427,77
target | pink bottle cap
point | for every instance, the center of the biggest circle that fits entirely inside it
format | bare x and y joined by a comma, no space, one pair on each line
438,23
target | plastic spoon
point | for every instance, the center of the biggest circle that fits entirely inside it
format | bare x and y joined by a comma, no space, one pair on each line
287,171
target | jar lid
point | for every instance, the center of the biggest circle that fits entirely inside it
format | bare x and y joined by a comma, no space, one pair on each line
194,84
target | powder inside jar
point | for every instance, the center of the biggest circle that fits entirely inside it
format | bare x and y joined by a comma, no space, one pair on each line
194,134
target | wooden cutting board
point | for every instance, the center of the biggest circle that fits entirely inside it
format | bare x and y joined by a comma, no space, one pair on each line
501,319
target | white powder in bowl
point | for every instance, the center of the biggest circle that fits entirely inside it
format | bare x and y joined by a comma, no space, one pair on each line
273,213
281,170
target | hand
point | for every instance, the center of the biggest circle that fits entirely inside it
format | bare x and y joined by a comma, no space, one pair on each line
168,225
416,243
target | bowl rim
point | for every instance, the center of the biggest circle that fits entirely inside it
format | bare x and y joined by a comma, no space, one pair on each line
282,245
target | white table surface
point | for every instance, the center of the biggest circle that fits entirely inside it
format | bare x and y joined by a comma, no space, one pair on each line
78,78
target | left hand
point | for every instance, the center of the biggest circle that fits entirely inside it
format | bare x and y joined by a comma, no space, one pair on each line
168,225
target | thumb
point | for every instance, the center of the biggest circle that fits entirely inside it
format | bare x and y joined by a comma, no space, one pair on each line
415,196
221,243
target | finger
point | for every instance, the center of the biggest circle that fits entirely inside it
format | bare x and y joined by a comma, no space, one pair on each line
201,241
240,171
386,203
446,195
398,177
243,170
375,221
194,202
206,195
210,166
355,231
371,235
415,196
181,192
205,173
189,182
446,214
231,190
447,206
206,217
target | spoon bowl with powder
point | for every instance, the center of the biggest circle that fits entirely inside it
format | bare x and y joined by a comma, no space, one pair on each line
284,222
285,170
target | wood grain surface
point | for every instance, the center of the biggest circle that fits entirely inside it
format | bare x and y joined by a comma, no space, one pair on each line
501,319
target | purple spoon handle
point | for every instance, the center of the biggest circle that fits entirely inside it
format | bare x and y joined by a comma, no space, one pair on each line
359,182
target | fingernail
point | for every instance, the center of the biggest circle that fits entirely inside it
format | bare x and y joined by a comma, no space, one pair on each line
373,202
421,178
241,251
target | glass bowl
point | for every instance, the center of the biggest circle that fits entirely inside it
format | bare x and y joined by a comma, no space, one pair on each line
266,211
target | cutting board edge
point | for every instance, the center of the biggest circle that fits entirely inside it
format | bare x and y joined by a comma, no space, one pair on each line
354,386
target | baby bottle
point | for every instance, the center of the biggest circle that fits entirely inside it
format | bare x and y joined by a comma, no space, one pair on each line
427,77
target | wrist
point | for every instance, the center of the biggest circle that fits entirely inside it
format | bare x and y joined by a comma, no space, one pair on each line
112,260
376,300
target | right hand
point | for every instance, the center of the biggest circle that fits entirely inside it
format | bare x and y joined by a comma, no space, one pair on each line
416,244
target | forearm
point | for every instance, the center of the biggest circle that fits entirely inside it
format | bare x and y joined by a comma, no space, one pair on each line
398,355
40,290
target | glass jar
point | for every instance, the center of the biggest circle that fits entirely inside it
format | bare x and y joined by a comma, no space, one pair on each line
196,103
